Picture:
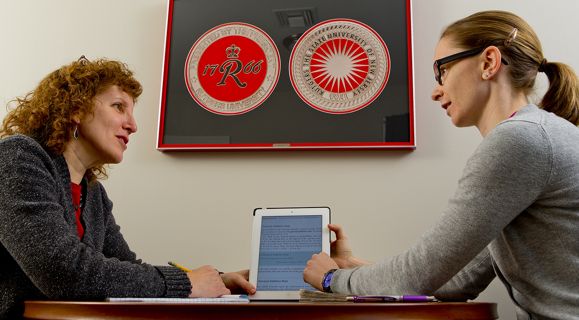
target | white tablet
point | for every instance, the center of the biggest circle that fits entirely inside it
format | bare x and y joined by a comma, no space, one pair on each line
283,240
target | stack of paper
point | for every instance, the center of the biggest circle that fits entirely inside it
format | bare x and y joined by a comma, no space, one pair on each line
319,296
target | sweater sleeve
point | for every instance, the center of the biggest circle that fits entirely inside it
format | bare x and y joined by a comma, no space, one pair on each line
176,281
35,232
469,282
503,177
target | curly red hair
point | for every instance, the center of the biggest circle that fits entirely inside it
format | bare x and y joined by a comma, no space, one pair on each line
46,113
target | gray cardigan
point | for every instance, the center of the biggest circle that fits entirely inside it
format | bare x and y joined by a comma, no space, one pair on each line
40,252
515,214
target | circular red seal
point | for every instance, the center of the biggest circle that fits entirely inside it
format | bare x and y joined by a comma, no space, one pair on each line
232,68
339,66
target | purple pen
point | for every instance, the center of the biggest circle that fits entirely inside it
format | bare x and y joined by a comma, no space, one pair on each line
389,298
372,299
417,299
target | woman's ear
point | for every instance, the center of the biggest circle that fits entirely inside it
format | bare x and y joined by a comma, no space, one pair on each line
76,119
491,62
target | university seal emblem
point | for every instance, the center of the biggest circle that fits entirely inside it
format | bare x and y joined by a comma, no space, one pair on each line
232,68
339,66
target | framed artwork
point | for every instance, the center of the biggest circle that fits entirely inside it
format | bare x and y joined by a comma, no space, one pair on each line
287,74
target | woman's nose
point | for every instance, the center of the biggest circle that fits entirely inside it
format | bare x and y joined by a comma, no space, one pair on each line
131,124
436,93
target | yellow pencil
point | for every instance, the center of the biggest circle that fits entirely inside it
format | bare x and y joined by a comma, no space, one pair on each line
176,265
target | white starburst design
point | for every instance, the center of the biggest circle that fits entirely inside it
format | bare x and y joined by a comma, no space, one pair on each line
339,66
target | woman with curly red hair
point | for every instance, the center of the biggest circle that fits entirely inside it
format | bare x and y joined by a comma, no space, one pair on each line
58,236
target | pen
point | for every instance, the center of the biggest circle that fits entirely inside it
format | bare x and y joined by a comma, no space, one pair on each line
406,298
176,265
371,299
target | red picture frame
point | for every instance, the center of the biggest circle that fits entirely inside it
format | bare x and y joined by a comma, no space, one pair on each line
202,38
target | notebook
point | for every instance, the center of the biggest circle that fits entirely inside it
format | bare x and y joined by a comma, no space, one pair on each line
283,240
223,299
229,298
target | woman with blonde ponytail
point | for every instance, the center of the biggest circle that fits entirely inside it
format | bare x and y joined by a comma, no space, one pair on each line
515,213
562,97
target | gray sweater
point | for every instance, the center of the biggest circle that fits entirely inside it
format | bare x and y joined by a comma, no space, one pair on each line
40,253
515,214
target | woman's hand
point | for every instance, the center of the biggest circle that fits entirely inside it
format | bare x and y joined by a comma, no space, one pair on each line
317,267
206,283
238,282
341,251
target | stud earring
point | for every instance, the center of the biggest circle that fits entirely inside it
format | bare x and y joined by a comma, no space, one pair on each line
485,75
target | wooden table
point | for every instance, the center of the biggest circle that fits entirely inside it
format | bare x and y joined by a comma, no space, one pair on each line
63,310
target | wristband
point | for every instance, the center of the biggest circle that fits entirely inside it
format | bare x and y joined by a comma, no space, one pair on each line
327,281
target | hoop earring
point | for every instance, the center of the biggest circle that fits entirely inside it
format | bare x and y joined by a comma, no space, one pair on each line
75,133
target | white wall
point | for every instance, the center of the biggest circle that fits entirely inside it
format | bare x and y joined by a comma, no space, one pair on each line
196,207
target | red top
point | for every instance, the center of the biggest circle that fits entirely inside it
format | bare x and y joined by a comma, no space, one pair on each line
76,195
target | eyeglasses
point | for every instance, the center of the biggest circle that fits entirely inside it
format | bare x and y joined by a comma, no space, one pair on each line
453,57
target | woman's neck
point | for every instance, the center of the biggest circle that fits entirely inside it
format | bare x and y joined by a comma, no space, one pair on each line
501,105
75,163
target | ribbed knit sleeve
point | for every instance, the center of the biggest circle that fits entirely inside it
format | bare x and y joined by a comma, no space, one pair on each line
177,282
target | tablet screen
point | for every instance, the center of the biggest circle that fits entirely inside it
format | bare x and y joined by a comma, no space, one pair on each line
283,240
287,243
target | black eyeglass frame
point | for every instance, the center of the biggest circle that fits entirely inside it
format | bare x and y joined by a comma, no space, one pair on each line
457,56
